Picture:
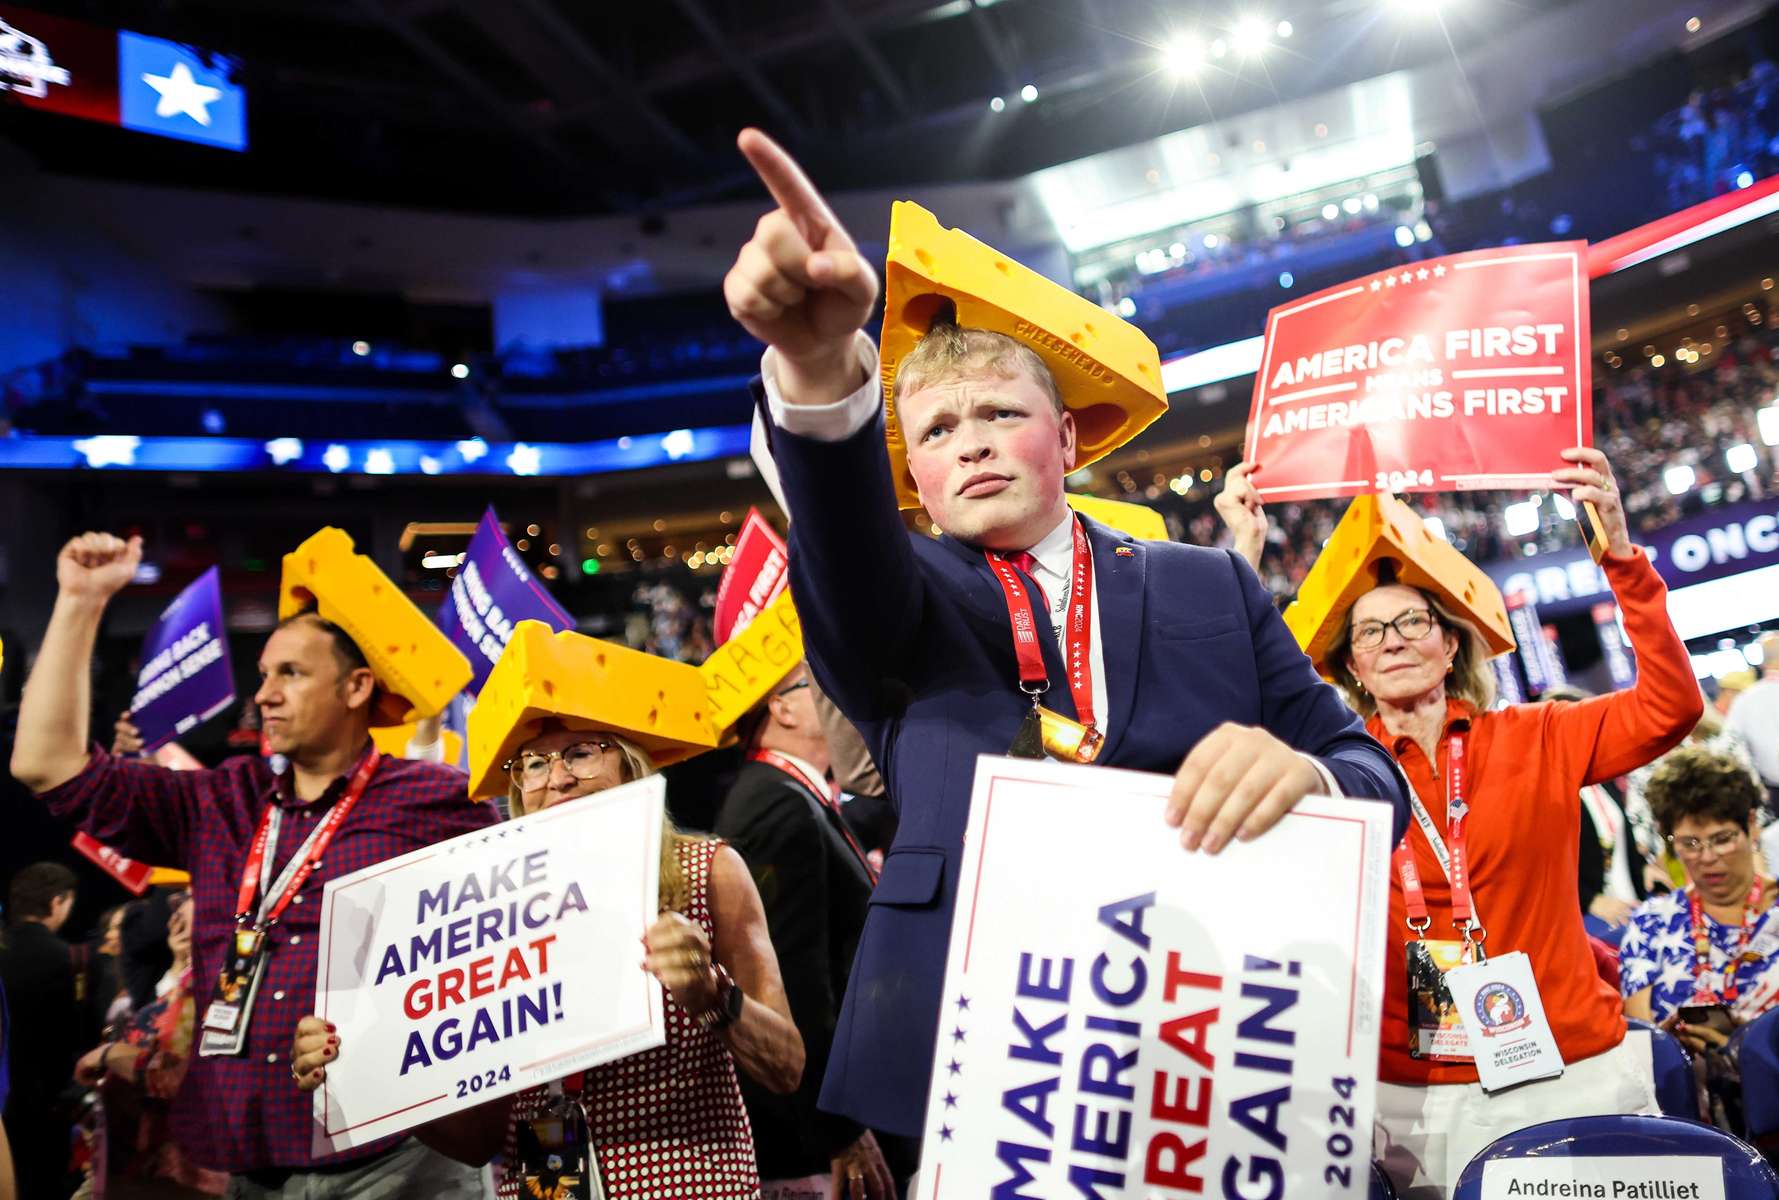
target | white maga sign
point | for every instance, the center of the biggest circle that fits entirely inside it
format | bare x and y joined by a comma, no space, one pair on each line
1122,1018
489,963
1615,1178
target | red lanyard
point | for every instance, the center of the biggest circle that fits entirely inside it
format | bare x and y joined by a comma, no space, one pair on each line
1448,850
825,791
1034,680
1702,945
317,845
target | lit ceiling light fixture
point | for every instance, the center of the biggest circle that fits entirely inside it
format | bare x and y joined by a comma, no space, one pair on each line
1183,56
1250,36
1028,93
997,104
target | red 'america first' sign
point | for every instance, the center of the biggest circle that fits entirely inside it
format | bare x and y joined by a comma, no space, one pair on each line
1451,374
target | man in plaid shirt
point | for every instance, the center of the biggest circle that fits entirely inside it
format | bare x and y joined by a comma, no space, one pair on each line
241,1113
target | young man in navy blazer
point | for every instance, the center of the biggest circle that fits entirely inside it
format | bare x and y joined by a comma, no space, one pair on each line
1192,670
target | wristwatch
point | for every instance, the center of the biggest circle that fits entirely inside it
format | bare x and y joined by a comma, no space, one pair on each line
727,1008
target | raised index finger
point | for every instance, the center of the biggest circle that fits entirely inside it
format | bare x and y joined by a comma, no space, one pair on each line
790,187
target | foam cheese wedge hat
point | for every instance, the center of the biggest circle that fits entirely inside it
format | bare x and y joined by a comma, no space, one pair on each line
743,670
418,670
1138,520
393,740
1108,371
585,684
1379,528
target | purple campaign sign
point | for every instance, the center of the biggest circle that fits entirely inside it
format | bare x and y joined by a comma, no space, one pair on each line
185,677
493,591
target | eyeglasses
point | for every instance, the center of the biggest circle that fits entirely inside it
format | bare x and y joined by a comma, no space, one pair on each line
1411,626
531,770
1718,843
801,683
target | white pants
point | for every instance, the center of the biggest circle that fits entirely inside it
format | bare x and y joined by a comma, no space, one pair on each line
1426,1136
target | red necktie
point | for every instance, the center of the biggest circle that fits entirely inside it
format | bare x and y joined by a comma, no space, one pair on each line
1024,561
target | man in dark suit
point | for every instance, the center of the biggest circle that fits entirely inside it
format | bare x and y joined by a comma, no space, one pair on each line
1188,669
783,816
38,974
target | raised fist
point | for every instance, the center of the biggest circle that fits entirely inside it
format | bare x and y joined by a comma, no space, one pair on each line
799,284
96,566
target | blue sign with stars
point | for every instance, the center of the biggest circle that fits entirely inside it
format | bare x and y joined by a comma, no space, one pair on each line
166,89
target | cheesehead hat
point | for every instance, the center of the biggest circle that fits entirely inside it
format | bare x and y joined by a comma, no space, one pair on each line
584,684
418,670
1378,529
1108,371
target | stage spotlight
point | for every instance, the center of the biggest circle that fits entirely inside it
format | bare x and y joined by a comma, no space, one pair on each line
1679,480
1286,279
1352,205
1741,458
1249,36
361,348
1285,29
997,104
1768,420
1028,93
460,370
1219,48
1183,55
1405,237
1744,179
213,421
1693,24
1127,307
1330,211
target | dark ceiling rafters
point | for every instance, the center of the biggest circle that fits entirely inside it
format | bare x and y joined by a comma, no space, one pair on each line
789,123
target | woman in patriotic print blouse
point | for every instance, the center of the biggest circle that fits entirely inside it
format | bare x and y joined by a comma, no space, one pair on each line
1716,941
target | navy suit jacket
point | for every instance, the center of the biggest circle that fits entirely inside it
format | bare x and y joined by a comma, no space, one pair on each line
909,636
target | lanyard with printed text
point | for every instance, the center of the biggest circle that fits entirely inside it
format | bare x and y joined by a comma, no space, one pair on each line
1751,916
1034,680
826,792
1449,850
277,897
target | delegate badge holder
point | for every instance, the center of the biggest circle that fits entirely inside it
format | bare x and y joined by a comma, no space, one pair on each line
555,1153
225,1020
1435,1031
1502,1012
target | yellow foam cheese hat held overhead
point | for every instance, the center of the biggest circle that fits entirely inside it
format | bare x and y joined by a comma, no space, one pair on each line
1379,528
393,740
743,670
418,670
1138,520
585,684
1108,371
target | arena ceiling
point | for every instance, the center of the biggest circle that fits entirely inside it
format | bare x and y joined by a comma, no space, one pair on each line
587,106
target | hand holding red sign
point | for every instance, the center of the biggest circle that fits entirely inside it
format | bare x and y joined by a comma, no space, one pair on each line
1457,373
1593,483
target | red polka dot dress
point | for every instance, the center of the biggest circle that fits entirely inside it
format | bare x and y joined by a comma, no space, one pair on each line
666,1124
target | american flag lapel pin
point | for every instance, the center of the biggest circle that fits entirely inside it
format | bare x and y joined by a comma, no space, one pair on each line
1124,552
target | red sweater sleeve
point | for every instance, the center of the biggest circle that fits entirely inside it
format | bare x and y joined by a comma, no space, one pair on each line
1607,736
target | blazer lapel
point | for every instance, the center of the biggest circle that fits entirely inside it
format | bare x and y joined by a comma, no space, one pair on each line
1119,590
